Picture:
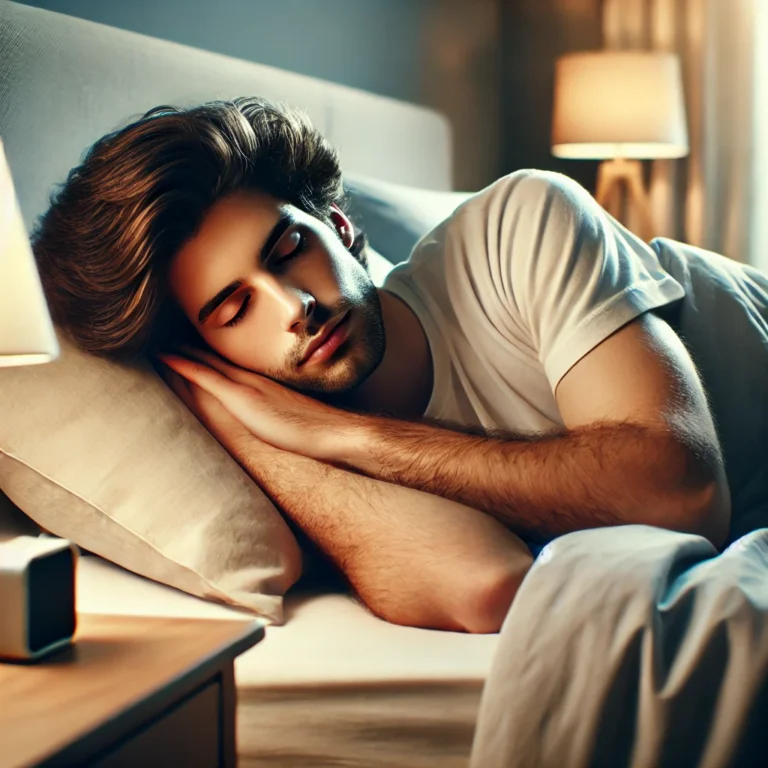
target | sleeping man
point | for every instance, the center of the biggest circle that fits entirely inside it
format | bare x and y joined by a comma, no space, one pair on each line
533,369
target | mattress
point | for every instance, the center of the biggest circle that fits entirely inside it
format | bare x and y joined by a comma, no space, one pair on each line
334,686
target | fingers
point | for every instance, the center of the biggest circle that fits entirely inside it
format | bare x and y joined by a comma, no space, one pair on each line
176,383
187,391
222,366
208,409
202,356
206,377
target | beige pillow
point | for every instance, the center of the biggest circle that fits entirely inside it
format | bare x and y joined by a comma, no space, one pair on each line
106,455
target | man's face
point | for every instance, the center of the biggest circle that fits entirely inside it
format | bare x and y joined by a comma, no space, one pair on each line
262,281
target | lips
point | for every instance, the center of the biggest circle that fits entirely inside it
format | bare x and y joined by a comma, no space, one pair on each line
318,341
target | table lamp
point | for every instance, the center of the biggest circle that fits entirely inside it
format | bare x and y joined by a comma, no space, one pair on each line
37,574
620,107
27,335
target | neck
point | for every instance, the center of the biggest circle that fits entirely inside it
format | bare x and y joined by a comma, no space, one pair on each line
402,384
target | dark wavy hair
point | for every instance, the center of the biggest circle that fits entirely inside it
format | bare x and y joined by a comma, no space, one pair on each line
106,243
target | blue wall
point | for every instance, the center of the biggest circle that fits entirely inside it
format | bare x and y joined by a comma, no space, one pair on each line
487,64
371,44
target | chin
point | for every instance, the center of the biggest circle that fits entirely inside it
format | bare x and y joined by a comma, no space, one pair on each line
340,377
355,360
337,378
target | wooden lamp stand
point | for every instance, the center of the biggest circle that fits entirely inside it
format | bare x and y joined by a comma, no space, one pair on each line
619,180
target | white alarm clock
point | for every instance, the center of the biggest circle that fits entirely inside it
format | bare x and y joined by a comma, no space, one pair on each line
37,596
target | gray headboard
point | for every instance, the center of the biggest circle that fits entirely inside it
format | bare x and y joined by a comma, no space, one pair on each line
64,82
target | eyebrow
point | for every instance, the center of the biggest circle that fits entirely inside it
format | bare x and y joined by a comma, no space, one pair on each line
275,234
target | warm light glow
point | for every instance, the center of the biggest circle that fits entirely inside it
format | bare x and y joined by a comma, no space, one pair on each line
619,104
7,360
639,151
27,335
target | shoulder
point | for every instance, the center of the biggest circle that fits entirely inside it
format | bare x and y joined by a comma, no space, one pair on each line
525,216
529,201
531,185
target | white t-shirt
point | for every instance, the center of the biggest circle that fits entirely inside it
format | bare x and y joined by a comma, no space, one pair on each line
530,274
523,280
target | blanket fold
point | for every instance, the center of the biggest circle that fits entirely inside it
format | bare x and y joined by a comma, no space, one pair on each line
632,646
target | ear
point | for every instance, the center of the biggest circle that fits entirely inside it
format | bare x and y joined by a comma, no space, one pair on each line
343,225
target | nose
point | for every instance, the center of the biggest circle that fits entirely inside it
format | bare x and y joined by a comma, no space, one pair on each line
296,306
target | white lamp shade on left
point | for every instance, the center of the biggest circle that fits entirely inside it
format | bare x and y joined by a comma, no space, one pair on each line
619,104
27,335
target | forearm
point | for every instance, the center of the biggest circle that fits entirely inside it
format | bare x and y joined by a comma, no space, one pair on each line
414,558
545,485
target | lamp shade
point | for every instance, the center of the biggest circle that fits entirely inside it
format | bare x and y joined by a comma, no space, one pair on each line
27,335
619,104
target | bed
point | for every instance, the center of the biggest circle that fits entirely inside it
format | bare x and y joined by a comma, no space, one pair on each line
656,655
334,685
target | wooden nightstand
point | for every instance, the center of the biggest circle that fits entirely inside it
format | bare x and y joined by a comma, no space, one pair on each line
132,691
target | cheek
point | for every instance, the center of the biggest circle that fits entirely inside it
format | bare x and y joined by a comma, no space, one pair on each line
251,345
236,345
321,276
348,278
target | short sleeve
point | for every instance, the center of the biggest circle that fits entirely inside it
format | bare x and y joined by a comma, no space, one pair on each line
576,274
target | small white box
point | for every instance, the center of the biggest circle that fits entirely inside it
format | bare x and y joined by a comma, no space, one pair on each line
37,596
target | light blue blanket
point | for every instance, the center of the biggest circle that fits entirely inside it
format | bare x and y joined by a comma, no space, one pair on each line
632,646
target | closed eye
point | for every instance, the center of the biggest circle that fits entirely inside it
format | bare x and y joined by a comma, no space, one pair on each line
240,313
300,247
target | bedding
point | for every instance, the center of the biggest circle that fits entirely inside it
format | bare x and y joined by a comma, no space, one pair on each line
110,458
632,646
335,685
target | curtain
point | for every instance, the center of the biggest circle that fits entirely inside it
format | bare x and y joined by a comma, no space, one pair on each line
711,198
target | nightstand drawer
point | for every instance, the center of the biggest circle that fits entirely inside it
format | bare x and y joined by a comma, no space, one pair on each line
130,691
189,734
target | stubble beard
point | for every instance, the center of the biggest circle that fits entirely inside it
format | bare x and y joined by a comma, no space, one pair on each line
362,355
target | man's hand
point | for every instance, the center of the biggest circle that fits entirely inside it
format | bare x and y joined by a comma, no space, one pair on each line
272,412
413,558
230,433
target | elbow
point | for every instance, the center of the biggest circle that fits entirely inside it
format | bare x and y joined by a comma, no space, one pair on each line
708,511
692,495
478,604
702,507
492,598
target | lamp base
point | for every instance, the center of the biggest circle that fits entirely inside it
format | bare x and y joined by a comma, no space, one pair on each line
615,177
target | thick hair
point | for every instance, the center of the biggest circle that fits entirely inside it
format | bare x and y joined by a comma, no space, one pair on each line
106,243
